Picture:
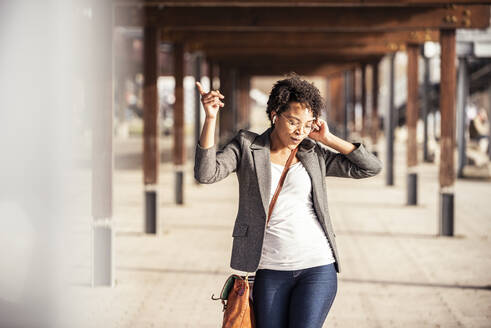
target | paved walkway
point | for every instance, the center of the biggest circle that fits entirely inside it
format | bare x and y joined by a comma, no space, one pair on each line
396,271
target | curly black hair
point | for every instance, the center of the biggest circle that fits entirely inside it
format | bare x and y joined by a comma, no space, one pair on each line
294,89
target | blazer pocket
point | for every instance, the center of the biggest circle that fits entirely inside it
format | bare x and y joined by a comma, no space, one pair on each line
240,229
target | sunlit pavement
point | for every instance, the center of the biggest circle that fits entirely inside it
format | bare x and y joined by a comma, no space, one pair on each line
396,271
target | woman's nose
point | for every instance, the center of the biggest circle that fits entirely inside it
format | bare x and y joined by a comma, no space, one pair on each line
300,130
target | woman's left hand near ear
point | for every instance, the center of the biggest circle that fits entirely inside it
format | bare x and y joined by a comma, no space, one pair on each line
320,131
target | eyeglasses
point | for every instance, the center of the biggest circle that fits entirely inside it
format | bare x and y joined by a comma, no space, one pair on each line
296,125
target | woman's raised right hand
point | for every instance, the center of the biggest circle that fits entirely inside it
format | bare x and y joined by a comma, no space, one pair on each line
211,101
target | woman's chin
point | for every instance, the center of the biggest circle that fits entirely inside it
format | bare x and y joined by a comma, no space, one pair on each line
294,141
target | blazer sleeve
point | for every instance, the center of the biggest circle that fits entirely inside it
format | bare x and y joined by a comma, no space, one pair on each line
358,164
212,166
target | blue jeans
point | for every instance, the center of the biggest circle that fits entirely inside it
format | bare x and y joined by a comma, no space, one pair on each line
294,299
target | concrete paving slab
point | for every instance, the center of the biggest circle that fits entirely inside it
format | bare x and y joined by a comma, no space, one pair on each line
396,270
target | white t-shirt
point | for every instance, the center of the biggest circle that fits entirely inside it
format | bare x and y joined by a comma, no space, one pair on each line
294,238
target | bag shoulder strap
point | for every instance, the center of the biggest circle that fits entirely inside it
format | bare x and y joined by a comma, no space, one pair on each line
280,183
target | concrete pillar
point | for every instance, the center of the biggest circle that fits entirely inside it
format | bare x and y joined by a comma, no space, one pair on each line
102,151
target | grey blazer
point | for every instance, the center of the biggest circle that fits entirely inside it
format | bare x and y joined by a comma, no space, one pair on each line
248,154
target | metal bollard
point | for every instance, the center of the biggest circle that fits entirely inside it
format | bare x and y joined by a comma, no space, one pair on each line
446,214
412,189
151,211
179,186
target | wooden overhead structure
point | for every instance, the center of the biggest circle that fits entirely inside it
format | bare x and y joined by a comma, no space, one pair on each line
326,38
293,16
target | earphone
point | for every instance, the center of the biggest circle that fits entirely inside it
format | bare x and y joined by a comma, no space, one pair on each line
274,119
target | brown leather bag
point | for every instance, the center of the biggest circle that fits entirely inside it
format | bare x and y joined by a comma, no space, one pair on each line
236,295
237,303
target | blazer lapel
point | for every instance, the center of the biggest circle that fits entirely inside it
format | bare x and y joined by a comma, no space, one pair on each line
261,154
262,162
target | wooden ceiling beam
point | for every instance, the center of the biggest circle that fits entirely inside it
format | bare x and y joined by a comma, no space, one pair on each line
290,60
334,19
293,3
295,39
306,70
365,50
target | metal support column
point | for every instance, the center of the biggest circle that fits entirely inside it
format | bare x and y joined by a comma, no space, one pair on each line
227,118
447,140
374,119
389,128
179,151
197,98
426,108
197,102
412,111
150,126
462,95
347,103
489,119
363,99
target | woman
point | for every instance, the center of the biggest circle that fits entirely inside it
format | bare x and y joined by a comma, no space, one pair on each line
294,255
